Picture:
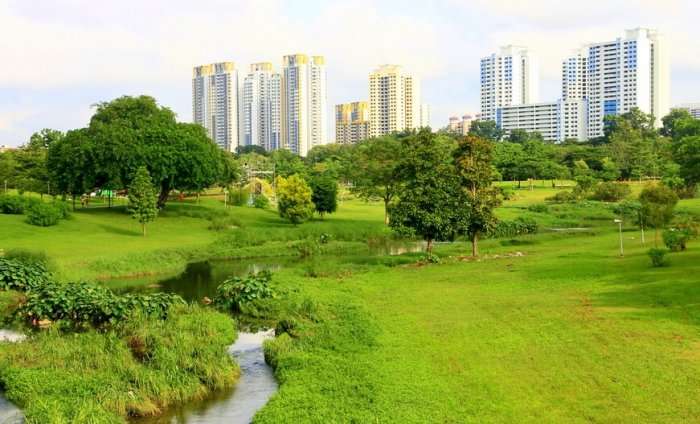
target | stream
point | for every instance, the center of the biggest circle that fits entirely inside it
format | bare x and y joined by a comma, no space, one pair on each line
235,406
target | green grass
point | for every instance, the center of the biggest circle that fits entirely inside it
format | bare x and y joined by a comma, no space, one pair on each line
139,368
569,332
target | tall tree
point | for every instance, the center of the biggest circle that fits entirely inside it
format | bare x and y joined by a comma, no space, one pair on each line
430,202
294,199
142,198
324,195
372,169
472,159
657,204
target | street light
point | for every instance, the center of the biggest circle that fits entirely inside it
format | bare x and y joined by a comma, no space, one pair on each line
619,224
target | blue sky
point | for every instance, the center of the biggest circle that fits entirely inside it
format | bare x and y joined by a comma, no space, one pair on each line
59,57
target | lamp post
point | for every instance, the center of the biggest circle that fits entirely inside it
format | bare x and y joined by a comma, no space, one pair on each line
619,224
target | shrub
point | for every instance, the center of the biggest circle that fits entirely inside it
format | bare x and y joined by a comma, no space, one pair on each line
658,257
324,238
520,226
261,202
240,294
675,239
562,197
85,303
286,326
18,275
507,193
12,205
430,258
63,208
539,208
611,192
43,214
306,248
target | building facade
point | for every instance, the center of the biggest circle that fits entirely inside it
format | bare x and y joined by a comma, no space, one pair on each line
261,117
394,101
351,122
629,72
215,102
508,78
424,115
531,117
303,103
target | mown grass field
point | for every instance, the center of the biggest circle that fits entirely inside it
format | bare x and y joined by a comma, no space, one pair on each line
554,327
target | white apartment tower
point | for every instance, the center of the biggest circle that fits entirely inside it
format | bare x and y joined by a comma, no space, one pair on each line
632,71
261,123
508,78
215,102
394,101
304,103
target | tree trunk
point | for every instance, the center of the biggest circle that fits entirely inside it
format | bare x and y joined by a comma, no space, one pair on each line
475,245
429,247
164,193
643,241
386,211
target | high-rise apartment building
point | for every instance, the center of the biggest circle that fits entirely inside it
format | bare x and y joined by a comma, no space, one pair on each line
215,102
531,117
304,103
424,115
261,118
351,122
394,101
629,72
507,78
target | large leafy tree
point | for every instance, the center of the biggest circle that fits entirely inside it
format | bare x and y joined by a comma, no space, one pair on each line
130,132
294,199
657,204
473,161
324,195
486,129
430,201
372,169
142,198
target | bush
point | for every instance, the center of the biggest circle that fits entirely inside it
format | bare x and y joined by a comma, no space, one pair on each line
430,258
675,239
611,192
261,202
562,197
85,303
507,193
43,214
12,205
538,208
658,257
306,248
520,226
240,294
18,275
63,208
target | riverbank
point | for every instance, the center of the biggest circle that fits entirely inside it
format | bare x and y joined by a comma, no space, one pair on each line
137,368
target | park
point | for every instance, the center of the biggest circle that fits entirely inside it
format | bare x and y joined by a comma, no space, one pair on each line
417,278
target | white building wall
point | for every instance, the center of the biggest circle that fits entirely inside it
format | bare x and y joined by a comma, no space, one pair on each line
509,77
540,117
215,94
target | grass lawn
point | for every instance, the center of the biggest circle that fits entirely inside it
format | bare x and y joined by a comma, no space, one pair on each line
567,333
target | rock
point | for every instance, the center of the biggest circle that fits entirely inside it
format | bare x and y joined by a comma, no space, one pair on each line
206,301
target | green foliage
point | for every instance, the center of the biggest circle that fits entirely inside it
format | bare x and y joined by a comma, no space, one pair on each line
686,152
609,171
518,227
240,295
562,197
44,214
430,258
261,202
487,130
84,303
142,198
473,158
111,375
15,205
306,248
584,184
27,256
372,168
683,230
431,201
324,194
657,204
611,192
224,222
294,199
538,208
17,274
658,257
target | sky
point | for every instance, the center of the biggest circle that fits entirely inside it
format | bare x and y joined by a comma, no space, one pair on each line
60,57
